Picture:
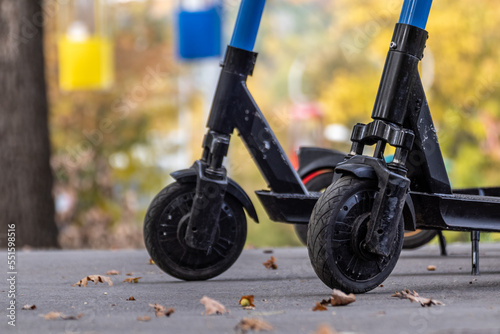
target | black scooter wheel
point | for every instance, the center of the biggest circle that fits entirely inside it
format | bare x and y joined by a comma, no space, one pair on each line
415,239
165,227
336,234
318,182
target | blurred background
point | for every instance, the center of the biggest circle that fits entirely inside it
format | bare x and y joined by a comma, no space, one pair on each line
128,107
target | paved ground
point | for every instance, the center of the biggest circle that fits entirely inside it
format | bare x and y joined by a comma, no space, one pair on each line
284,297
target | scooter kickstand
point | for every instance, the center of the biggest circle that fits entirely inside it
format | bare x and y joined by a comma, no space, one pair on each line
442,243
475,235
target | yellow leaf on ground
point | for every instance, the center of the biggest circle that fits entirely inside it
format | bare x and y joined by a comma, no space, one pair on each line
246,301
145,318
212,306
431,268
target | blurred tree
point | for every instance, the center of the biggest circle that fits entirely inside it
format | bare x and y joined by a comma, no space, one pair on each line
26,181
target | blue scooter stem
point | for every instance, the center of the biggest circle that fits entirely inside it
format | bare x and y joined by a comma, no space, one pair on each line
247,24
415,12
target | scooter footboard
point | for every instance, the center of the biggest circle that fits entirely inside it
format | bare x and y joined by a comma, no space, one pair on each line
458,212
288,208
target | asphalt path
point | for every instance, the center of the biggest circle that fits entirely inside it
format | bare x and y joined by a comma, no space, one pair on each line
283,297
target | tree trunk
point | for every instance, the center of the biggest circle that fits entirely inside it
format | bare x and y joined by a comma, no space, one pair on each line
26,177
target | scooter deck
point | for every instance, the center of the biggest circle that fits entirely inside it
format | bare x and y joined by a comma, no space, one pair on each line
464,210
288,208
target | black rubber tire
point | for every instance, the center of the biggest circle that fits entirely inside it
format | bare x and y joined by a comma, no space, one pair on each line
342,210
163,235
318,183
421,237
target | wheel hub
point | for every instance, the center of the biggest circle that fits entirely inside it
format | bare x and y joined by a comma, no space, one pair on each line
359,231
181,232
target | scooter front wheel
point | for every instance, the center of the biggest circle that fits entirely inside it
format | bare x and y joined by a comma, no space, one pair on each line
165,228
336,234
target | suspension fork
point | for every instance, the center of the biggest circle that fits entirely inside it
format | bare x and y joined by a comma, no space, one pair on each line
389,113
211,184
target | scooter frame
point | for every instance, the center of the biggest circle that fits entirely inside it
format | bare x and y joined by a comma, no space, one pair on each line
416,178
234,108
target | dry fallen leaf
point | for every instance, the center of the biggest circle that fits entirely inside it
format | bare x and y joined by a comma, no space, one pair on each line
145,318
130,298
132,279
431,268
151,261
29,307
271,263
212,306
254,324
59,315
268,251
340,298
113,272
130,273
161,310
319,307
246,301
94,278
325,329
414,297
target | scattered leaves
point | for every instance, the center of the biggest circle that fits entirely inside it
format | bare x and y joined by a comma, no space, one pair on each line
246,301
130,298
414,297
151,261
59,315
431,268
271,263
254,324
161,310
132,279
319,307
145,318
325,329
113,272
29,307
212,306
94,278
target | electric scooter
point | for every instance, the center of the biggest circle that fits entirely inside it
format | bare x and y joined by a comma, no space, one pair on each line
195,228
355,234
